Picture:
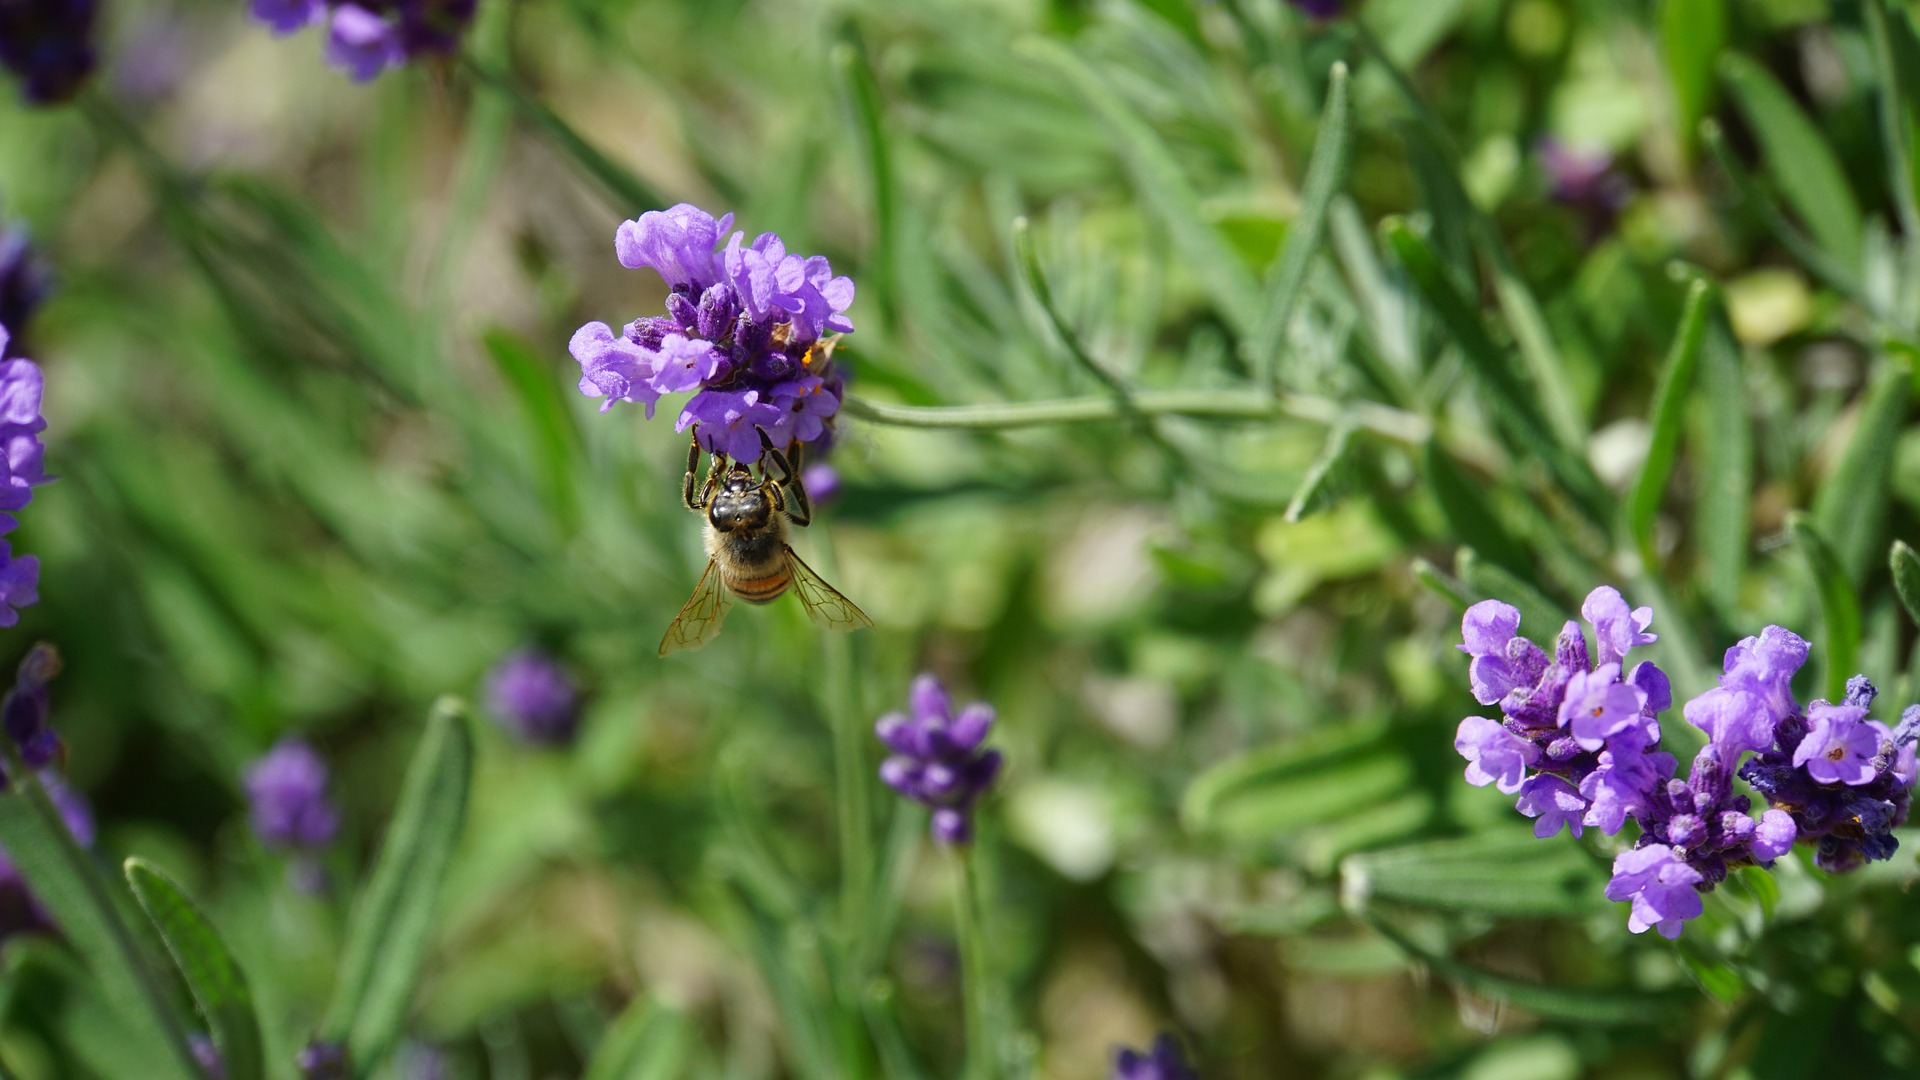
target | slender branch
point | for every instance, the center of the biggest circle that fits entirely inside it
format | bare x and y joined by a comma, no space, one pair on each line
1395,424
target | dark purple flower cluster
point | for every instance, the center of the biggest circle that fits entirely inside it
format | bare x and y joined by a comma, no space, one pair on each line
24,283
21,470
937,758
744,330
24,713
48,45
288,792
1319,9
1847,780
1164,1062
366,37
533,698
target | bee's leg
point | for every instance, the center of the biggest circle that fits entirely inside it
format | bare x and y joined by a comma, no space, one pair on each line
693,468
716,472
799,510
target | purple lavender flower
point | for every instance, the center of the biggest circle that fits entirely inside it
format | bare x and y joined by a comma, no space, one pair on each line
1616,627
24,713
1552,803
20,911
1319,9
937,760
207,1055
367,37
1585,180
1494,755
24,283
288,792
1840,744
1661,886
533,698
21,470
1164,1062
743,329
48,44
822,482
324,1061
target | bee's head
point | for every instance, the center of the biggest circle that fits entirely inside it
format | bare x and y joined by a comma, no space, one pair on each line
741,505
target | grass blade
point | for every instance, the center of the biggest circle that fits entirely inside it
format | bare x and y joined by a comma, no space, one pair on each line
1692,35
650,1041
1511,874
1852,504
862,93
1669,409
1162,187
628,194
1906,578
553,433
1339,440
1723,437
215,980
1842,276
1803,165
1325,174
64,878
1503,388
392,923
1839,604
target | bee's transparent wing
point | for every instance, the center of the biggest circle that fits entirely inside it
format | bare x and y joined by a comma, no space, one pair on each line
824,604
699,621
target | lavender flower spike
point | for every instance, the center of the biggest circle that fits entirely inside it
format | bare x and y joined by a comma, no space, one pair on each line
1164,1062
24,283
533,698
744,332
367,37
288,791
937,760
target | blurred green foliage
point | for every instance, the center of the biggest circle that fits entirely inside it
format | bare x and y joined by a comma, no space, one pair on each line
322,461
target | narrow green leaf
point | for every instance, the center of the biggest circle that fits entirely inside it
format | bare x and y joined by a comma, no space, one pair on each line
1723,448
1552,1002
650,1041
1161,186
1470,514
1896,129
64,878
1800,159
1288,279
1320,472
628,194
862,93
1839,604
1669,401
1506,393
1442,585
215,980
392,923
1256,769
1512,874
1487,581
554,435
1845,277
1851,504
1036,279
1906,578
1692,35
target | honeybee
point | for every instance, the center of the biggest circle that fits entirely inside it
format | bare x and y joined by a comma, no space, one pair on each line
748,556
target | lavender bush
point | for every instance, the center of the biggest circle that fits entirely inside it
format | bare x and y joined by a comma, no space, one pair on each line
1244,393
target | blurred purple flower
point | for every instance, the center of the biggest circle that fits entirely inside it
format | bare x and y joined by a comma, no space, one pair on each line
1319,9
1585,180
48,45
21,470
324,1061
207,1055
1165,1061
532,697
24,283
936,759
742,329
822,482
288,792
25,711
367,37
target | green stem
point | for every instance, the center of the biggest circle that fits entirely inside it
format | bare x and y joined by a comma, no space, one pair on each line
629,193
1395,424
975,978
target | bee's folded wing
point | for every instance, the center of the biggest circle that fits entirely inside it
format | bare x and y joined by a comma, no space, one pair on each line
824,604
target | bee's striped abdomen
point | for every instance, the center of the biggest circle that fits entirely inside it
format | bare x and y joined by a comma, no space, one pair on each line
763,589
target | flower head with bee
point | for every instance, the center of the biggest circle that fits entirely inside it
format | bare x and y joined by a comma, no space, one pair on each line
746,330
